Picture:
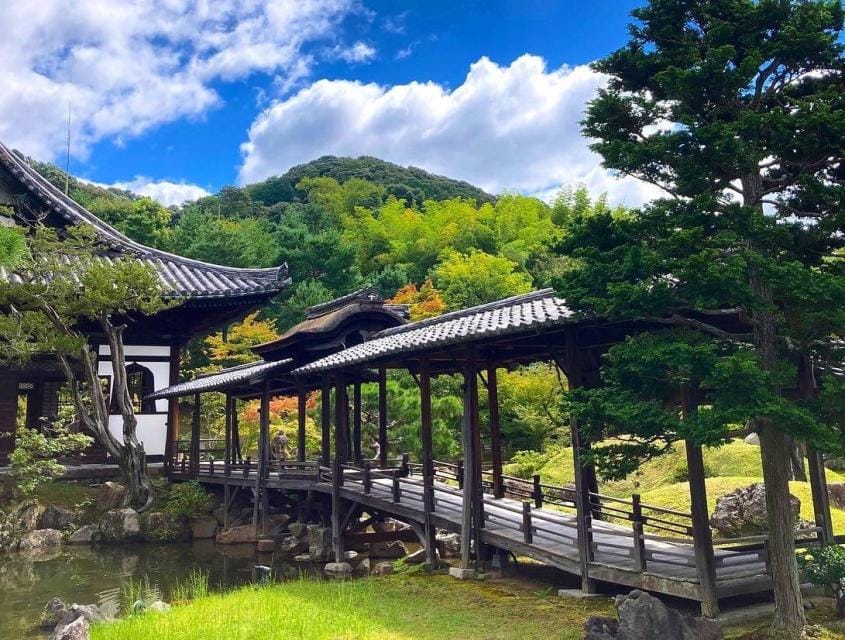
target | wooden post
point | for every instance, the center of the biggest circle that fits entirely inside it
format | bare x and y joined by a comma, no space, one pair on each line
227,499
367,478
382,417
478,488
397,490
301,415
537,492
227,453
171,444
637,528
325,422
195,437
468,482
356,424
337,534
427,463
459,472
821,499
237,454
341,408
260,505
528,534
495,430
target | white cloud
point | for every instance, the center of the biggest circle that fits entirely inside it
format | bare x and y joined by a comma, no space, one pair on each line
164,191
510,127
131,65
358,52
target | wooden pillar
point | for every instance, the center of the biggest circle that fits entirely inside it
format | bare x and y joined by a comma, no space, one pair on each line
325,422
356,424
341,416
259,509
227,442
337,505
470,529
495,430
821,499
478,488
382,417
195,437
171,443
237,454
427,464
583,502
8,414
301,415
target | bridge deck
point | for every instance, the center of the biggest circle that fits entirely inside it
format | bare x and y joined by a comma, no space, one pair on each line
670,566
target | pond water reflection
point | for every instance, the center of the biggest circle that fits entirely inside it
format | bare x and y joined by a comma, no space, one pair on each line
95,575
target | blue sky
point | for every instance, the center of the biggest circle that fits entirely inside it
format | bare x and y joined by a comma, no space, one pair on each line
489,91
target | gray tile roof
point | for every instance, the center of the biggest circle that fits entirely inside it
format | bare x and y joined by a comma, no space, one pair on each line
511,315
180,277
221,380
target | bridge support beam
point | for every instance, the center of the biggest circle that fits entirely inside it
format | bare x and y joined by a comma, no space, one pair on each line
356,424
429,532
821,499
325,422
259,510
195,437
495,431
471,512
301,415
382,418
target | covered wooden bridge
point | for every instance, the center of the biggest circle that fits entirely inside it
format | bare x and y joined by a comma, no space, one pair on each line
576,528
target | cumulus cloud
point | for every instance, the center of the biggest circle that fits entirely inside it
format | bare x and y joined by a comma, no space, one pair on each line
128,66
164,191
505,128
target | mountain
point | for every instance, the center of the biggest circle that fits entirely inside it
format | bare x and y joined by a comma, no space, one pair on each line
411,183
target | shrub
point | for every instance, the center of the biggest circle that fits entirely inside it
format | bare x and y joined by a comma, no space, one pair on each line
526,464
33,462
188,499
825,567
681,472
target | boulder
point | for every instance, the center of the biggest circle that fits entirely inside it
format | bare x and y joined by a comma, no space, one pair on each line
40,539
83,535
160,526
90,612
320,543
9,492
338,569
298,529
54,611
78,629
362,568
392,550
383,568
110,495
219,514
265,546
120,525
743,512
26,516
449,545
837,494
56,518
236,535
293,546
302,557
752,438
204,527
417,557
159,606
277,522
644,617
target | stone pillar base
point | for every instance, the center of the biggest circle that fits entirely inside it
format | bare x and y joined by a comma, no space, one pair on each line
338,569
462,574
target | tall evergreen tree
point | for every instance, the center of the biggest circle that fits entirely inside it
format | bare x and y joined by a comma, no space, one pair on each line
736,109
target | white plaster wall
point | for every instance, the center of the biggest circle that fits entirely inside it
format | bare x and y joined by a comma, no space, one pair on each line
152,428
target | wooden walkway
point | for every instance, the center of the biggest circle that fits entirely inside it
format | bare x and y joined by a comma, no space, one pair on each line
632,544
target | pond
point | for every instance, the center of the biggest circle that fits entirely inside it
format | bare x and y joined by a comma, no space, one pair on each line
96,574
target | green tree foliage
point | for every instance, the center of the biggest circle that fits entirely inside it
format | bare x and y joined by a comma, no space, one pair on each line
825,567
33,462
735,110
236,242
13,250
142,219
467,280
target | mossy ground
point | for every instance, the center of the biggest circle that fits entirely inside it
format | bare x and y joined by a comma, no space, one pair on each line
64,494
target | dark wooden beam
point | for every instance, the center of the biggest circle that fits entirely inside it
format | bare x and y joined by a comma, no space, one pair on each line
341,416
325,423
227,437
427,465
170,445
821,498
495,429
382,417
301,416
195,436
356,423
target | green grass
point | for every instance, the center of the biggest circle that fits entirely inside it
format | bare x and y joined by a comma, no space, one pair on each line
63,494
395,608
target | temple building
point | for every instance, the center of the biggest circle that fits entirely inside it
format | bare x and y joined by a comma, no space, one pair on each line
207,296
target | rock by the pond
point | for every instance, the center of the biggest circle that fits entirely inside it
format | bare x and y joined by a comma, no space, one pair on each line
392,550
293,546
159,606
298,529
752,438
836,491
204,527
236,535
40,539
83,535
383,568
350,555
644,617
54,611
743,512
120,525
320,543
362,568
91,612
27,515
78,629
160,526
265,546
449,545
302,557
219,514
417,557
110,495
338,569
56,518
276,523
